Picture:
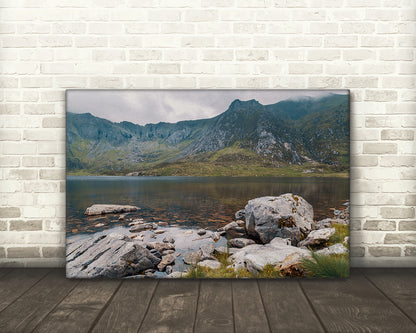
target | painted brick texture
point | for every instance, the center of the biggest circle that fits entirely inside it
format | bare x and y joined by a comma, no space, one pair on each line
365,46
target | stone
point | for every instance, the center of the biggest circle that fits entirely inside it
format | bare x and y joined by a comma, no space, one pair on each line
346,240
286,216
109,209
99,225
141,227
175,275
162,223
156,253
167,252
233,226
240,242
207,251
240,215
257,256
160,246
192,258
201,232
224,249
168,269
158,232
241,223
213,264
109,256
122,217
318,237
166,260
215,236
333,249
188,232
291,266
168,239
136,222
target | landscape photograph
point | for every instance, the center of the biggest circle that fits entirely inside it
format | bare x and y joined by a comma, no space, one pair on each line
207,183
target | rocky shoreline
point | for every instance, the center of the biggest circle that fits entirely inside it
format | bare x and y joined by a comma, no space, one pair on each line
277,231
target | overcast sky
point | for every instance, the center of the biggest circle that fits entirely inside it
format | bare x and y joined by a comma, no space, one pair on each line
153,106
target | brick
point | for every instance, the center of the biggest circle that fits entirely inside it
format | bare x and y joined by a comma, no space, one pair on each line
2,252
163,68
108,55
39,187
395,134
198,41
42,135
341,41
410,251
361,82
9,212
302,68
377,41
252,55
397,212
144,55
249,28
411,200
21,148
53,252
52,174
357,251
23,252
397,161
359,55
218,55
164,15
358,28
179,54
9,135
321,82
21,225
195,15
324,54
38,161
3,225
380,148
252,82
384,251
396,55
407,225
106,28
22,174
380,225
178,28
400,238
9,161
305,41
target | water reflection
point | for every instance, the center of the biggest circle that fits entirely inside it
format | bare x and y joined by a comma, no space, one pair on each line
207,202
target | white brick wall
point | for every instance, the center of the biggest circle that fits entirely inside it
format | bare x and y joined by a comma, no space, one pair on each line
366,46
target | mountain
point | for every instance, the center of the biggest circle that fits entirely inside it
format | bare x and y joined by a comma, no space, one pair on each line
303,132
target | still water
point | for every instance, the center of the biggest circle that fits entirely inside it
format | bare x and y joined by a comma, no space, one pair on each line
190,202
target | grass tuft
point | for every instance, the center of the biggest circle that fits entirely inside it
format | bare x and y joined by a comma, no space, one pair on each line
327,266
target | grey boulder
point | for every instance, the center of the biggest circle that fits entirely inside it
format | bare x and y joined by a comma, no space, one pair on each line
333,249
110,256
286,216
213,264
318,237
109,209
240,242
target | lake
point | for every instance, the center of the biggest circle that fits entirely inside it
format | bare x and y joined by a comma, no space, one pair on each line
189,202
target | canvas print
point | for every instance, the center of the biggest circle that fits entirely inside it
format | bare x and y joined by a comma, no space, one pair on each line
207,183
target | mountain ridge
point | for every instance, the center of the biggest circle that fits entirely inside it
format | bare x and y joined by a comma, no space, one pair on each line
290,132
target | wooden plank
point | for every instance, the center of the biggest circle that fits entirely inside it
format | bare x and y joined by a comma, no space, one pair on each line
127,308
399,285
77,312
249,313
17,282
354,305
287,307
29,310
5,271
215,308
172,308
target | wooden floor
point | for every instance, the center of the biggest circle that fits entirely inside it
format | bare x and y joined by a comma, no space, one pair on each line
43,300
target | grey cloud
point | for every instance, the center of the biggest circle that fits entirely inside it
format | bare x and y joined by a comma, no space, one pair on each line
153,106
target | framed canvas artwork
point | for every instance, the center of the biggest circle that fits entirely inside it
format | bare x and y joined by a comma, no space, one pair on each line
207,183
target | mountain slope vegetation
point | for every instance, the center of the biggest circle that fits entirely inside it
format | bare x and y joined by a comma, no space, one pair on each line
249,138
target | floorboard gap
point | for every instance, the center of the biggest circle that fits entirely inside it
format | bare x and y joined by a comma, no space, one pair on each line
148,306
313,308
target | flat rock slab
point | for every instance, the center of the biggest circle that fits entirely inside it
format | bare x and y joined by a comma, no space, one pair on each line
110,256
109,209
